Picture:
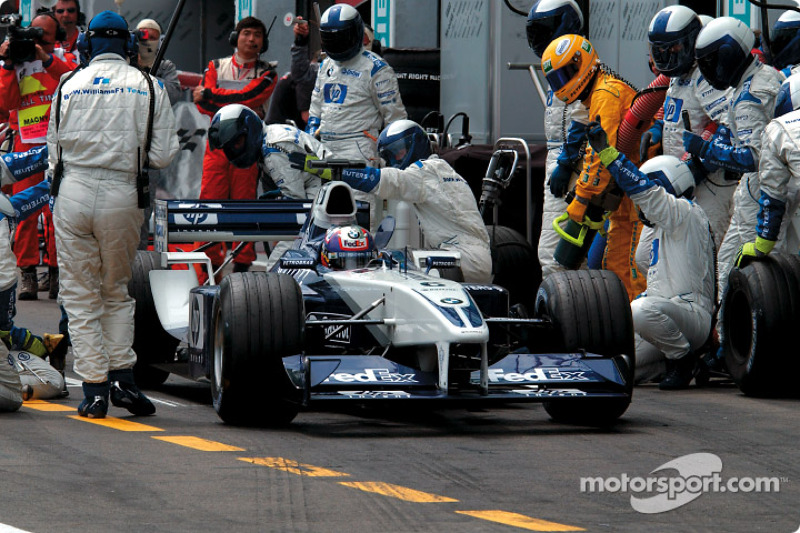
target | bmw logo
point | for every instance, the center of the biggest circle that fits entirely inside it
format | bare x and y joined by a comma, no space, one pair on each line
451,301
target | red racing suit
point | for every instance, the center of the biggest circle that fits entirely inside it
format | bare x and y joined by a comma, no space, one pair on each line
26,91
226,81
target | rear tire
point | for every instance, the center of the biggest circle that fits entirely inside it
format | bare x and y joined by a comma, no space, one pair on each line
590,311
760,308
259,319
515,264
151,342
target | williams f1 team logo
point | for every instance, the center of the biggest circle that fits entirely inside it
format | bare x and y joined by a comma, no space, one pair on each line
335,93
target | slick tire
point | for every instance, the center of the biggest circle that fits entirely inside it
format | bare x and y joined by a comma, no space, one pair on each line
590,311
258,320
760,309
151,342
515,264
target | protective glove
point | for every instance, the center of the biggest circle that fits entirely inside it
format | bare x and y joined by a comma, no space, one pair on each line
751,251
598,139
694,144
698,171
299,161
559,180
656,132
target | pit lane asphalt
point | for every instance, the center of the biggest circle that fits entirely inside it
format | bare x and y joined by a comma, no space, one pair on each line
501,468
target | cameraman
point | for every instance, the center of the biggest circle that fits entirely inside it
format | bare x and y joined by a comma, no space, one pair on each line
27,85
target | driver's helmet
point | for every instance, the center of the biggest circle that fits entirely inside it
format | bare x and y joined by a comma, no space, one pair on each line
723,51
569,63
238,131
341,32
784,40
402,143
347,248
671,173
549,19
672,34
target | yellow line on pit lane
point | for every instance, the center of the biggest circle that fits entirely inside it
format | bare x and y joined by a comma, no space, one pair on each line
293,467
117,423
198,443
396,491
41,405
520,520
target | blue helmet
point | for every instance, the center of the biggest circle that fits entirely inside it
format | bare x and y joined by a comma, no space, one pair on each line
108,33
672,35
237,130
670,173
403,142
784,41
341,32
788,98
549,19
723,51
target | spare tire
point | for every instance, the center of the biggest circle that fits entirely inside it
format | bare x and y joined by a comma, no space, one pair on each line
590,311
515,264
760,309
151,342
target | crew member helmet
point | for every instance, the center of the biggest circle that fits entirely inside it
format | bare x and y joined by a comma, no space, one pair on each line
347,248
569,63
784,41
402,143
237,130
788,98
341,32
671,173
723,51
549,19
672,34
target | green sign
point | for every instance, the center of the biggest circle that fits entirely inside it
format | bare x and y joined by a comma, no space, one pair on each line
382,21
740,9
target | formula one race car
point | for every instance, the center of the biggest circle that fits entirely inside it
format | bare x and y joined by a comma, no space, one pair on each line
273,343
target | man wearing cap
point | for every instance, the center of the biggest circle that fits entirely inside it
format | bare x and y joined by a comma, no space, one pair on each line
97,145
148,34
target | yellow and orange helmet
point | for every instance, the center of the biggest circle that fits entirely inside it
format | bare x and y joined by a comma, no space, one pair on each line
569,63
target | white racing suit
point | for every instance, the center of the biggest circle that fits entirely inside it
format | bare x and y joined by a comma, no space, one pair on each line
279,141
103,117
693,94
351,103
445,207
779,168
45,381
673,316
10,384
557,119
753,104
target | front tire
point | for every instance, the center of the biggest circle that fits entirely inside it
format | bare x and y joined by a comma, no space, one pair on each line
514,263
259,319
590,311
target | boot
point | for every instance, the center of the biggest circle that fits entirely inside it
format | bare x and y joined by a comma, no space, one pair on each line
44,282
680,373
95,401
29,287
53,289
125,394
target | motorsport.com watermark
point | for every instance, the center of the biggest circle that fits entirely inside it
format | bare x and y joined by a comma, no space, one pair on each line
698,473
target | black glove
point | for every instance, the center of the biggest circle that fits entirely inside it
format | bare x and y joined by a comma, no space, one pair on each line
559,180
597,136
698,171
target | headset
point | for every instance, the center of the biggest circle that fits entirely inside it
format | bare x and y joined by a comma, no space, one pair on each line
61,33
233,39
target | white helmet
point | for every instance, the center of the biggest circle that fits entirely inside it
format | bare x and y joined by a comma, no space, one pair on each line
705,19
672,34
788,98
723,51
671,173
